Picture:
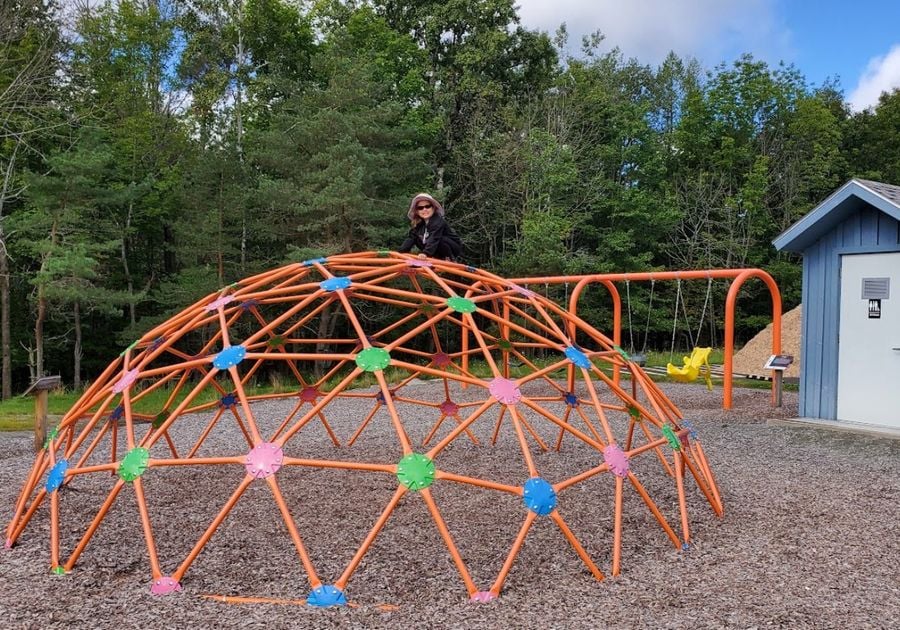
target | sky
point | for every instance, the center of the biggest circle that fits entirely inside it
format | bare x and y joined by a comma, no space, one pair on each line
857,42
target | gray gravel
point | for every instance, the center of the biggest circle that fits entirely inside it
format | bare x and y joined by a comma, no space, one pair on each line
809,537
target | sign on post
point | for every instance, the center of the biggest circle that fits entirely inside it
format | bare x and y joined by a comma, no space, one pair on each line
39,389
779,363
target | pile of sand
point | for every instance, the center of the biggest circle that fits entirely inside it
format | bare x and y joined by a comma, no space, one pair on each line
752,357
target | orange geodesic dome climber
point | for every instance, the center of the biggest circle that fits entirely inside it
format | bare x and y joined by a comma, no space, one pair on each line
441,356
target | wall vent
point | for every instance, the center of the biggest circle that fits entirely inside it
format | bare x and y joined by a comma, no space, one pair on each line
876,288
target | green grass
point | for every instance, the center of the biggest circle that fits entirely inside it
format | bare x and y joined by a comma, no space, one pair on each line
17,413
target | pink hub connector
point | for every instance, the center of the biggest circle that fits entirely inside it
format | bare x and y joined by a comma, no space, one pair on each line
505,390
164,586
264,460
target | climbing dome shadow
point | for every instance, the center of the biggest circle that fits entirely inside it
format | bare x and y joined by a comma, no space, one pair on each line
448,358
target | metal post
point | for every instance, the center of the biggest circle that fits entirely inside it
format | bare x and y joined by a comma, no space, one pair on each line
40,389
777,388
40,418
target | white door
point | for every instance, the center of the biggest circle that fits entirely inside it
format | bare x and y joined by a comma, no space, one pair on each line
869,345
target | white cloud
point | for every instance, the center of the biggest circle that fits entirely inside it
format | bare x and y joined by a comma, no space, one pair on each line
882,74
710,30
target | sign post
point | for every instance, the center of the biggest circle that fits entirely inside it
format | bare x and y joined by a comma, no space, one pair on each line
778,363
40,390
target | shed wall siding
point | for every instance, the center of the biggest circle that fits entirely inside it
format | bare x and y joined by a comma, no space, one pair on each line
867,231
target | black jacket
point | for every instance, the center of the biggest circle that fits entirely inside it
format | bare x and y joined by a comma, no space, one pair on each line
435,239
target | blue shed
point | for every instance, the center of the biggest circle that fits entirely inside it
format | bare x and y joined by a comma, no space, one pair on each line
851,304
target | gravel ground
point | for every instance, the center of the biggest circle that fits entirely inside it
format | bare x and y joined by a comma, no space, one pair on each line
809,537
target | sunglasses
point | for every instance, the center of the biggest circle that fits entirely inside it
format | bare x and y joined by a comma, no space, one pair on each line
424,206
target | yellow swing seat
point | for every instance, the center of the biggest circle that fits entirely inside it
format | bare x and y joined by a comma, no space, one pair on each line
694,366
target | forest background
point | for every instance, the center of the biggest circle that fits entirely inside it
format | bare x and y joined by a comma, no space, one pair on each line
154,151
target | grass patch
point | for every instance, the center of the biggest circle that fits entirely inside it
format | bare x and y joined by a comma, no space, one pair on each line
17,413
17,422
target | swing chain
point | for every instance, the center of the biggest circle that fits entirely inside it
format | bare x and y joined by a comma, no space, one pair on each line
649,310
687,321
705,304
630,329
675,320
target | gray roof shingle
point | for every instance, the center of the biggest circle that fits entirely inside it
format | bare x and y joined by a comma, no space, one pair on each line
888,191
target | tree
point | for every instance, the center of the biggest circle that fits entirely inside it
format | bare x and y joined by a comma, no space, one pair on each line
29,42
241,57
605,109
124,65
337,162
65,230
479,58
871,140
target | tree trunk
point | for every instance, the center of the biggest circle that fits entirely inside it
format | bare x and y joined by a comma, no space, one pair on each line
6,369
324,327
220,256
169,252
76,368
4,320
32,370
39,333
129,282
42,311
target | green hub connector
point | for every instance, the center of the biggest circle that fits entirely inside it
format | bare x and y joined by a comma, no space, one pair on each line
51,435
58,570
373,359
134,464
634,412
505,344
461,305
622,353
415,471
674,442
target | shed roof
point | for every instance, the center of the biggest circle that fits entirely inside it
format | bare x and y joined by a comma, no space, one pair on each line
843,202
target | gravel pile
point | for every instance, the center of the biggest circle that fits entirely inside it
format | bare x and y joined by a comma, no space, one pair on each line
809,537
753,356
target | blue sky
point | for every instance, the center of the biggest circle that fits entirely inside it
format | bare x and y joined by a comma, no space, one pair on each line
857,41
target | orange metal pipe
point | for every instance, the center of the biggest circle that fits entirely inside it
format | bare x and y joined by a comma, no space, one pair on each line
448,540
579,549
198,547
617,529
682,500
565,426
517,545
314,580
481,483
341,582
148,530
655,510
327,463
523,444
54,529
117,488
440,446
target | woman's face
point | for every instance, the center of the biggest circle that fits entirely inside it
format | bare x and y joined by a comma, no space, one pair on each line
424,209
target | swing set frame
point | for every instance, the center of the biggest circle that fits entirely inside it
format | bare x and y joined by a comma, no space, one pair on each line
737,276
